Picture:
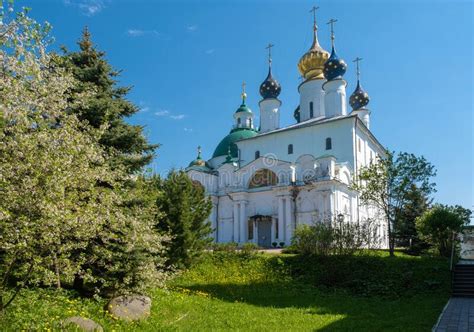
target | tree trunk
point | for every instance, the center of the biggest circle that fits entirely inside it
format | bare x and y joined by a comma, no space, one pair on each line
391,239
56,268
78,284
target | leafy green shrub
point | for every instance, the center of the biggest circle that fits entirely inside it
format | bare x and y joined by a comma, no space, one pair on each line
249,248
224,247
373,275
438,224
313,239
339,238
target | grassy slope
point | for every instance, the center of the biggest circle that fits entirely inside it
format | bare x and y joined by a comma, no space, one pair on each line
228,292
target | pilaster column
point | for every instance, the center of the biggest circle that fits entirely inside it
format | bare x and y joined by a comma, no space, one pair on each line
236,222
281,217
214,218
243,223
289,220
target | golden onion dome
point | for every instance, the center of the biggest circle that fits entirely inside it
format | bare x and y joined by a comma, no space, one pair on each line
311,64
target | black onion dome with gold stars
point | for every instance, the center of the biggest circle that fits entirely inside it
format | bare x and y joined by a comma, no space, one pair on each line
270,88
335,67
359,98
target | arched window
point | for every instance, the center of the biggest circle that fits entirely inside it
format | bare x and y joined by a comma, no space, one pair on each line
263,178
328,143
250,123
238,121
311,110
290,148
198,185
257,154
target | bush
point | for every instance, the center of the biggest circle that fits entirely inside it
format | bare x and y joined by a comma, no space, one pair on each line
224,247
249,248
373,275
437,225
314,239
322,239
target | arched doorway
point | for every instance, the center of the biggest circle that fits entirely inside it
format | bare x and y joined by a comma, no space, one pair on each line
262,230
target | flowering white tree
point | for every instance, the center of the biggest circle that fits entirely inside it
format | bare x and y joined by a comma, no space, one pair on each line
61,213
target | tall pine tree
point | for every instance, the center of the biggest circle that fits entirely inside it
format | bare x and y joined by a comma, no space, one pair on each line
185,210
108,105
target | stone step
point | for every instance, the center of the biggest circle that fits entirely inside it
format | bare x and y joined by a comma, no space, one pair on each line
461,279
463,288
463,291
462,295
464,273
464,268
463,282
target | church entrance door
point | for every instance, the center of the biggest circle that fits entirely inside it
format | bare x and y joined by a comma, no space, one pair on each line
265,232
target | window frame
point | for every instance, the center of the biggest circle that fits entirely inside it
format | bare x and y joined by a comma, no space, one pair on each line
328,143
290,148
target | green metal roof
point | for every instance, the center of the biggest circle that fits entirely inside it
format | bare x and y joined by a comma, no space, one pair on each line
243,108
229,141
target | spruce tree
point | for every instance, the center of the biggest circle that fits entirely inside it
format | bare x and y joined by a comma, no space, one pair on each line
107,105
405,227
185,210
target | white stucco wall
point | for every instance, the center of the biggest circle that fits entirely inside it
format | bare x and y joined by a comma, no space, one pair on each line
306,140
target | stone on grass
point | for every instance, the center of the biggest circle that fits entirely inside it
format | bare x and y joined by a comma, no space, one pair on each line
130,307
84,324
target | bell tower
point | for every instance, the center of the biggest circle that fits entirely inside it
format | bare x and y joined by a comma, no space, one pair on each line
270,104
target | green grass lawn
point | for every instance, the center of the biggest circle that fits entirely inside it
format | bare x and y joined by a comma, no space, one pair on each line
263,293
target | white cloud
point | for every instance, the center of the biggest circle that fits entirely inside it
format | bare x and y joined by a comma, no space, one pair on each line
170,115
178,117
87,7
188,130
162,113
145,109
192,28
140,33
210,51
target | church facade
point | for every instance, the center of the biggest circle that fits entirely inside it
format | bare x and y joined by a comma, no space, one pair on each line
265,181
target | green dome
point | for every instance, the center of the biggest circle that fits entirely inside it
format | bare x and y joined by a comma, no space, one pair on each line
234,136
243,108
198,163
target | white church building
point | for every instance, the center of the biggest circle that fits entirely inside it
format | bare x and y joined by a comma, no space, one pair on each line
264,180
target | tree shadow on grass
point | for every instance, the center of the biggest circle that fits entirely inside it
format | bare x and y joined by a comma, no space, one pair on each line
417,313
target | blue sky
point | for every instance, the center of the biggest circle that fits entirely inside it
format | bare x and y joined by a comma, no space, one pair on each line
186,61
